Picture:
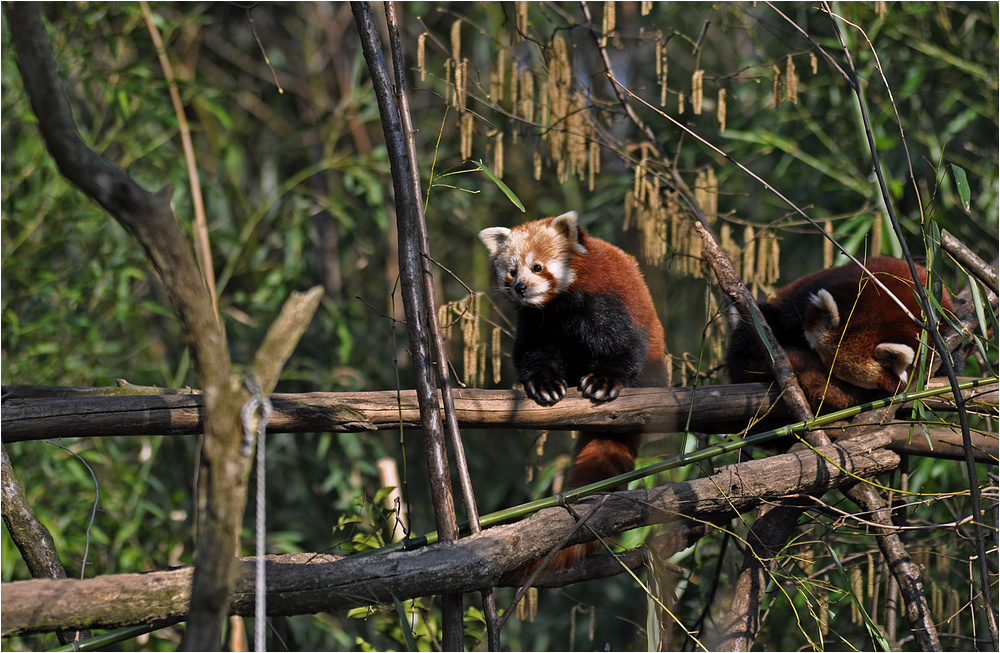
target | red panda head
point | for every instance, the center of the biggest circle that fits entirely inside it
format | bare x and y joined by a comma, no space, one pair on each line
873,345
533,262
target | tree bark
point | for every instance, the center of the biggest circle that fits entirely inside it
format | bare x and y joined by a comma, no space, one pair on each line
309,583
148,216
31,537
707,409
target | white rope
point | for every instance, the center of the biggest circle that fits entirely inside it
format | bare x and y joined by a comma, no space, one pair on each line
258,401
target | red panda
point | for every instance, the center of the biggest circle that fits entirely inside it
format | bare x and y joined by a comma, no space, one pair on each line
839,319
584,317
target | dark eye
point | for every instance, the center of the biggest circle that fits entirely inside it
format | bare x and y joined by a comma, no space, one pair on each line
536,268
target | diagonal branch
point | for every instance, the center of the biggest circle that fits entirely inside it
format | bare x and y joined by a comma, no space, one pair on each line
417,301
310,583
926,625
224,470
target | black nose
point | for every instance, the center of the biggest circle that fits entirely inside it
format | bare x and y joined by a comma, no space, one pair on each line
520,287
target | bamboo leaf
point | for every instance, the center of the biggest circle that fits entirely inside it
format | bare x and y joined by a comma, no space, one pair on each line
962,184
502,186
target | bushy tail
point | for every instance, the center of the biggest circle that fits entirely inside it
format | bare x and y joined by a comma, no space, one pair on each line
596,456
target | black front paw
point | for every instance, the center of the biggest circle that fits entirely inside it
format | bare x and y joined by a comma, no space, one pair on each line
599,387
546,389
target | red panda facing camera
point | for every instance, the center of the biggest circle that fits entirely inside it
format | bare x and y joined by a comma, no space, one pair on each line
584,313
838,319
584,317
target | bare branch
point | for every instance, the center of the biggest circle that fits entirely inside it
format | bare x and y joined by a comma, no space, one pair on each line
31,537
327,584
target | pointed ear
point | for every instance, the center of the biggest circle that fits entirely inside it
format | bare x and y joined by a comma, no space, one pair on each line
567,226
495,239
822,316
895,357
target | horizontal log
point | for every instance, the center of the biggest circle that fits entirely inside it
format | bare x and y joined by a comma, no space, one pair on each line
310,583
712,409
703,409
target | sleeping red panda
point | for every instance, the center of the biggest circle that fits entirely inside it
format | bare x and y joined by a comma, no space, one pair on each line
584,317
838,318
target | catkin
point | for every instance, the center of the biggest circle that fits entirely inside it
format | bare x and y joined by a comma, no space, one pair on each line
697,80
828,244
421,55
857,588
593,163
791,81
456,40
776,86
497,77
495,348
661,67
498,154
465,132
721,110
876,248
608,25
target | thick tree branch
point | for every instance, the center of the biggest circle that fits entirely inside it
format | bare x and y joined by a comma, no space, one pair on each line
35,413
967,258
150,219
466,565
31,537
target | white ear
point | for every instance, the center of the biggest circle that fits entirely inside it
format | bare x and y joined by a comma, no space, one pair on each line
495,239
821,316
566,226
896,357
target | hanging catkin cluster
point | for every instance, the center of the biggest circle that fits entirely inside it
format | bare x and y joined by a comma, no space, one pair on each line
565,107
787,87
459,68
757,261
661,66
651,208
465,312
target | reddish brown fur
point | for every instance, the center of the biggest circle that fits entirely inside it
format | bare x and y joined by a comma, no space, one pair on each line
868,318
606,268
602,269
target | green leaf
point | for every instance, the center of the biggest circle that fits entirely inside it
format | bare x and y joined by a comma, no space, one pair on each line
878,638
411,644
760,332
962,183
502,186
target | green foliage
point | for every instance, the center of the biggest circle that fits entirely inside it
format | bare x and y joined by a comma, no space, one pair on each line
297,193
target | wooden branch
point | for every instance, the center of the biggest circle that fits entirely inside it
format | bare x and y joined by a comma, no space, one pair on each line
712,409
224,474
315,583
150,219
415,287
967,258
31,537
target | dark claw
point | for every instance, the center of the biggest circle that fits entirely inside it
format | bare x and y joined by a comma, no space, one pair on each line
600,388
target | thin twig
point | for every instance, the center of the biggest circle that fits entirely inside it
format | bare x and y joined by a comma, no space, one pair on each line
537,571
202,248
963,418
